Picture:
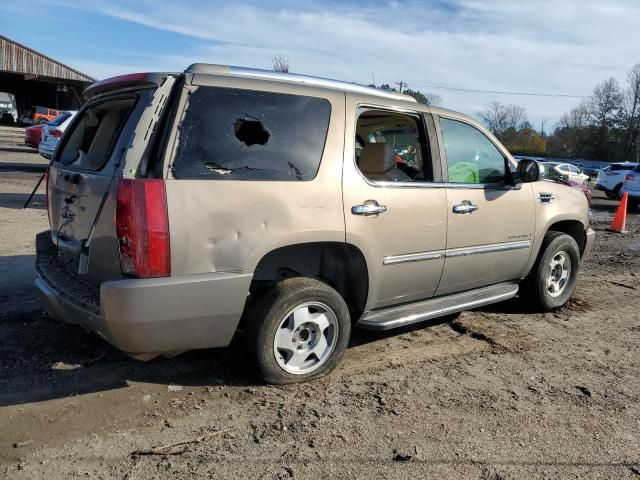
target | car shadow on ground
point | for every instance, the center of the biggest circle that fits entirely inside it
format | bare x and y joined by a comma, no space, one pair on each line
17,200
42,359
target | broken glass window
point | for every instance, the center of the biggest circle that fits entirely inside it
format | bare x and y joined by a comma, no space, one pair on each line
233,134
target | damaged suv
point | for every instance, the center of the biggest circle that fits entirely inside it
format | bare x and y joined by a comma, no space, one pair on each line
187,207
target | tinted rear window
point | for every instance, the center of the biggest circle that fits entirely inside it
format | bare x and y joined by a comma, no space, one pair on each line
231,134
637,168
615,167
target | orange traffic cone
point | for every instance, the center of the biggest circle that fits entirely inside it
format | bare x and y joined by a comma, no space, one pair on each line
620,218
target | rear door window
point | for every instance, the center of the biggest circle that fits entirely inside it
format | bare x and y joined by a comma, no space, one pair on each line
233,134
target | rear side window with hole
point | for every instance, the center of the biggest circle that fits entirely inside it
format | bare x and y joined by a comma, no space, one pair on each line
232,134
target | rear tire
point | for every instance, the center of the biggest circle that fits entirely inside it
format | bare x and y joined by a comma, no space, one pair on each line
552,280
633,204
297,331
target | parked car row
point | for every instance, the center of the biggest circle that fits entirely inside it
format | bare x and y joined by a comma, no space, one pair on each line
611,179
45,137
614,179
575,174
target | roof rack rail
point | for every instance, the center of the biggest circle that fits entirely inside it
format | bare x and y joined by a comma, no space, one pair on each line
213,69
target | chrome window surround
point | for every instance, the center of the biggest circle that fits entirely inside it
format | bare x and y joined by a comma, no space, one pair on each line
456,252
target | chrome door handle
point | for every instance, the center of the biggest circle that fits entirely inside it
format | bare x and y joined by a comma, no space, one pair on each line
368,208
465,207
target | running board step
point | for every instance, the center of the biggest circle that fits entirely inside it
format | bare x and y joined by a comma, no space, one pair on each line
406,314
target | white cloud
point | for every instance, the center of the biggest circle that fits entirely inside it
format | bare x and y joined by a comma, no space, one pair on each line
534,46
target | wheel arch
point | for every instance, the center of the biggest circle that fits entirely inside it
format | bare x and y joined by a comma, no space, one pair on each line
573,228
341,265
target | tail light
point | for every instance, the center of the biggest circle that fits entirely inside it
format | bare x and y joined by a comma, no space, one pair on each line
629,178
142,226
46,194
56,133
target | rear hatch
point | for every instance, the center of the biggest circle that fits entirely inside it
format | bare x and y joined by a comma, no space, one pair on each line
109,136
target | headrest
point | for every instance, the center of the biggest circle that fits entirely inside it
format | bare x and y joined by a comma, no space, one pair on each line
377,158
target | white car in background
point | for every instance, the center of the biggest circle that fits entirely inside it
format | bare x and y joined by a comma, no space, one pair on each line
611,178
574,173
53,131
631,186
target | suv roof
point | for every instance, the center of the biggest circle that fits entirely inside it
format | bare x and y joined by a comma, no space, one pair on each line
255,73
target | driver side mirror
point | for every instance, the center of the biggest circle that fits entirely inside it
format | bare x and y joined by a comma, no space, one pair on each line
529,171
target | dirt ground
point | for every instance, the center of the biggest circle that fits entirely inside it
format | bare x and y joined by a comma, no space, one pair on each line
500,393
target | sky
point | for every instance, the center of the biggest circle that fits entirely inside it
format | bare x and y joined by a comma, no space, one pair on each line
560,48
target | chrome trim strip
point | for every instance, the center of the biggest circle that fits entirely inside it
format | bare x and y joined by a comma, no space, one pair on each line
496,247
413,257
455,252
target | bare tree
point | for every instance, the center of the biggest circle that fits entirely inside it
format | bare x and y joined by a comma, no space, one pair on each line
630,114
605,103
280,63
516,117
501,118
433,99
572,131
604,109
494,117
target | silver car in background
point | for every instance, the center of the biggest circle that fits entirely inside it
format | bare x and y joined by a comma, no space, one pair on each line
53,131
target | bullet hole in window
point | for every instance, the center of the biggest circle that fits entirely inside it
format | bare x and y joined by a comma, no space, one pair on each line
250,132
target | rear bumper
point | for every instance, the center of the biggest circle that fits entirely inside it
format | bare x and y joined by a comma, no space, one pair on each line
147,317
590,239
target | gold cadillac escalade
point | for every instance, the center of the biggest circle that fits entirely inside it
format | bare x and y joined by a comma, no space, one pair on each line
185,207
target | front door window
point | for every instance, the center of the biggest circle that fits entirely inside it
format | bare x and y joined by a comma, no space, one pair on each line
471,156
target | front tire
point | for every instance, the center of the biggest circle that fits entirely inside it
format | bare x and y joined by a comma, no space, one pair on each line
298,331
552,280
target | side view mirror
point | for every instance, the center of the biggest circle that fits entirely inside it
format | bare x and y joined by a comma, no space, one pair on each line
529,171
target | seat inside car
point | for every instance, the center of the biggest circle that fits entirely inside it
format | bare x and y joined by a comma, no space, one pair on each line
378,162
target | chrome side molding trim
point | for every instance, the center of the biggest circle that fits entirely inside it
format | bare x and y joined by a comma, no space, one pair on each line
413,257
496,247
399,316
455,252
